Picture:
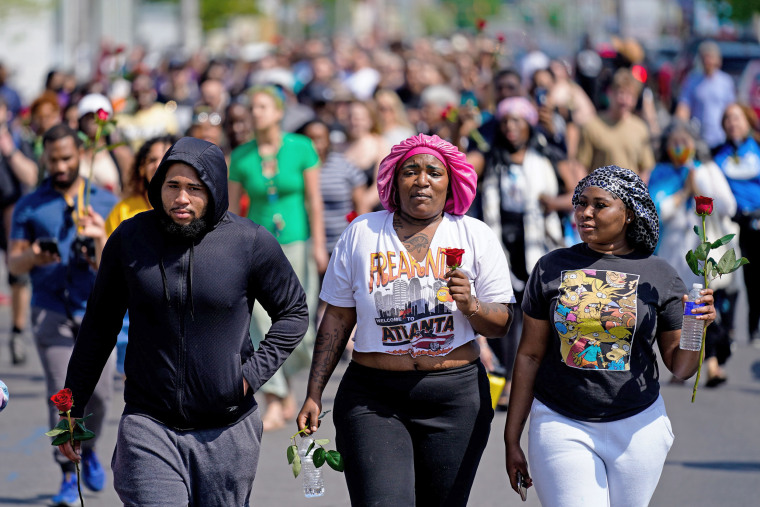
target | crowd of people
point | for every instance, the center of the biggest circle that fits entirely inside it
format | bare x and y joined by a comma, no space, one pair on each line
441,140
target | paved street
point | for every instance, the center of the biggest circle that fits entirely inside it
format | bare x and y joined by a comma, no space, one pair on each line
715,459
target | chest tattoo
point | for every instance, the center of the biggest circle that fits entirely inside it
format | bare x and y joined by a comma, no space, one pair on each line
416,243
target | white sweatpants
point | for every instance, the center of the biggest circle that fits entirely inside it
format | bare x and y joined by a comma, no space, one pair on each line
597,464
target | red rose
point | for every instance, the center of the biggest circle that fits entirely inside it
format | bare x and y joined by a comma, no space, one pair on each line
480,24
450,114
704,205
63,400
351,216
453,257
102,114
500,38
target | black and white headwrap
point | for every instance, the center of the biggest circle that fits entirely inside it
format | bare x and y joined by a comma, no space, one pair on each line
644,232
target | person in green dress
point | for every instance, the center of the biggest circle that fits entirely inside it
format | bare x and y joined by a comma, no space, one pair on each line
280,174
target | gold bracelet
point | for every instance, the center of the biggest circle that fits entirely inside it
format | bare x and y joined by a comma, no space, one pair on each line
477,309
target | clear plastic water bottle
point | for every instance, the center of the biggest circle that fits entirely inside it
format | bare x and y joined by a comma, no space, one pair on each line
313,484
691,329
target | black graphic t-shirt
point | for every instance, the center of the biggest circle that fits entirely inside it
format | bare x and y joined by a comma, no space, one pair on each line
605,312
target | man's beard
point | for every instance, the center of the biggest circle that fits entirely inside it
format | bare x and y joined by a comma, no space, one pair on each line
194,230
66,184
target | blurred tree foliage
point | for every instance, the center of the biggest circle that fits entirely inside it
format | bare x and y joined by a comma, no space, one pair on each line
6,6
738,10
468,12
216,13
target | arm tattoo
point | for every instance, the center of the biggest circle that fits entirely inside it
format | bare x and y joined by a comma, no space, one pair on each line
330,344
487,308
494,311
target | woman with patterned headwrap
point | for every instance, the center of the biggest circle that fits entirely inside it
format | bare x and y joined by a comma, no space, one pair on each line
413,410
586,369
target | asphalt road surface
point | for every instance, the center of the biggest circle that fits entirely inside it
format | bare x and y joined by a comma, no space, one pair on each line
715,460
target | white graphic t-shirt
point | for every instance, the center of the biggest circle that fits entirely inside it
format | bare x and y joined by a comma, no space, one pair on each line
403,306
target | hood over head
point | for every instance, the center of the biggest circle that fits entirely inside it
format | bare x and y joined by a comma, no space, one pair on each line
208,160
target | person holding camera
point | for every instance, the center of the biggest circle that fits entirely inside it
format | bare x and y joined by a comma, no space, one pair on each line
57,235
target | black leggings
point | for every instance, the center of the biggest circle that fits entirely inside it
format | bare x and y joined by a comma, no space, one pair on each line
720,333
413,437
749,242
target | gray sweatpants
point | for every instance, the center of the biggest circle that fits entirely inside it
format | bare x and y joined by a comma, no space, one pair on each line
54,335
157,466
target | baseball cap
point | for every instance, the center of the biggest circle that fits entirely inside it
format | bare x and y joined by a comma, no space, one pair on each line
92,103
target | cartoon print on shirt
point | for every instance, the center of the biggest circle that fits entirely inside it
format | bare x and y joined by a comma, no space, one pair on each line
576,278
413,303
616,355
592,301
595,318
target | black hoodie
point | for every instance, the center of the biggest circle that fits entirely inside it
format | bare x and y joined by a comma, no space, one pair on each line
189,305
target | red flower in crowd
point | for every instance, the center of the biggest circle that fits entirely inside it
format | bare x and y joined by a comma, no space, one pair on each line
480,24
102,114
453,257
500,38
63,400
704,205
351,216
450,114
446,112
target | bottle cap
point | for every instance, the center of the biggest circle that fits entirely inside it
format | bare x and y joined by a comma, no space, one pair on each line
696,286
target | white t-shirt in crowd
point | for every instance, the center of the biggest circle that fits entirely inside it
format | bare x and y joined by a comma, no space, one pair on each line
404,306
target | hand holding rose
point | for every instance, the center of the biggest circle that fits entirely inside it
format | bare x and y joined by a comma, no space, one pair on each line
459,282
92,225
69,432
461,291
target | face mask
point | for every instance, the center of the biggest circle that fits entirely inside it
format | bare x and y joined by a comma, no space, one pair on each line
680,154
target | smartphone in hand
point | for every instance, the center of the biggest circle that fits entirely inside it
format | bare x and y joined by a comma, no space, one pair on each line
522,486
49,245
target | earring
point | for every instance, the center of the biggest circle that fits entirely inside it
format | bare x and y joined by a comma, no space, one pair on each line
628,220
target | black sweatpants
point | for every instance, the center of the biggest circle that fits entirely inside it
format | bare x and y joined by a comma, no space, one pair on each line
412,437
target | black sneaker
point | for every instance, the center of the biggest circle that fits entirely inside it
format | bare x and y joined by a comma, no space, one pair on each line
18,349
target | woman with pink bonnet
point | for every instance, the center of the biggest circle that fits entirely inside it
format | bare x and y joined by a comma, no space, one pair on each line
413,410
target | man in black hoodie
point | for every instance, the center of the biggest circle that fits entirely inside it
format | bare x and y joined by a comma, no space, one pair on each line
189,272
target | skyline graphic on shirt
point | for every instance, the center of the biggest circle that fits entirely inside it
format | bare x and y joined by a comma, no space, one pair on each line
412,302
404,301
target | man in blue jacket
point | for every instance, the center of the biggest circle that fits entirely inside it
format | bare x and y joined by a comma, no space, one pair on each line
56,238
189,273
